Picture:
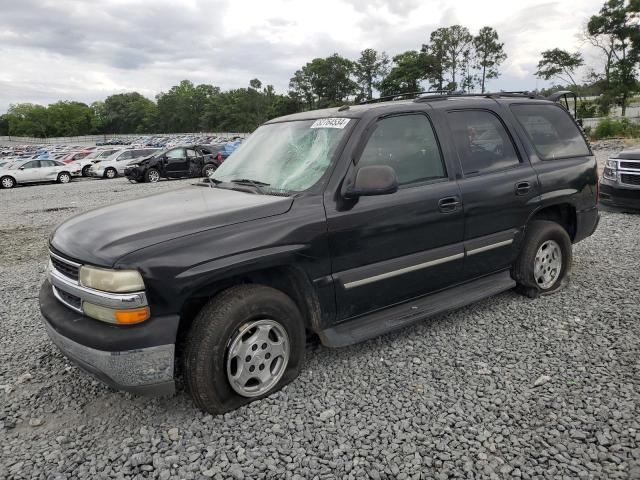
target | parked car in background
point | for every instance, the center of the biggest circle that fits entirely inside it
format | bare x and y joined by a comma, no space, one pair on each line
70,157
34,171
94,157
178,162
114,164
620,182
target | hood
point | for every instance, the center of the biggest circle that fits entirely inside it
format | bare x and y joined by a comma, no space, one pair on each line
102,236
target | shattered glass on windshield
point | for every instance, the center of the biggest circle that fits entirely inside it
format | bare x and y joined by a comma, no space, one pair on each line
288,156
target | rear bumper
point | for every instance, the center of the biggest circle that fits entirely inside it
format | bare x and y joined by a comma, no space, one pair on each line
615,195
586,223
147,370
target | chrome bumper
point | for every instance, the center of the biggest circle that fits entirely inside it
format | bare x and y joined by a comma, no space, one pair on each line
142,371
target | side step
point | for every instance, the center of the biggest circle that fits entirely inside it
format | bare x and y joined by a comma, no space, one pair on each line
398,316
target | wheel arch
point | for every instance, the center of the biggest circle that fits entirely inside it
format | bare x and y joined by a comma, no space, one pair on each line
287,278
565,214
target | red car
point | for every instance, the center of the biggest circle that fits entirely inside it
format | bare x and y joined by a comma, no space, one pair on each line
73,156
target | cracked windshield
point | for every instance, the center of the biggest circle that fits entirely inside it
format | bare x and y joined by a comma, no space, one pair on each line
288,156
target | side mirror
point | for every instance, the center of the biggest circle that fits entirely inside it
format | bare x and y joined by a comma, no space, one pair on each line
373,180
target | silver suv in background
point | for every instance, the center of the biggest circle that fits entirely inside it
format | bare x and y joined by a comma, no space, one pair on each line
114,164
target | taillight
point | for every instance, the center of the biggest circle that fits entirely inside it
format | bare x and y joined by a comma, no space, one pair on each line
219,157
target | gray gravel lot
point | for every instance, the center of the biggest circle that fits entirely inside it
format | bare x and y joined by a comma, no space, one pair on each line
508,387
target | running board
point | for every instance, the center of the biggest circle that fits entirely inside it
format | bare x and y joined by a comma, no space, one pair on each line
398,316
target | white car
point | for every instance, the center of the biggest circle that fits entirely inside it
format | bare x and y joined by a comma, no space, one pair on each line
113,165
34,171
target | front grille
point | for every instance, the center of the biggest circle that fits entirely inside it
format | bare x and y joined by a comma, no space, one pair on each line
69,299
630,165
630,179
67,269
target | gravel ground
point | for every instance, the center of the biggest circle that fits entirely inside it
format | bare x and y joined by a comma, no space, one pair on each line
508,387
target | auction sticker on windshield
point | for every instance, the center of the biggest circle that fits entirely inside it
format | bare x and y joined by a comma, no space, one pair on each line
330,123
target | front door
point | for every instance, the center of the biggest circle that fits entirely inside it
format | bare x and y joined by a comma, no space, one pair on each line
390,248
176,162
30,172
499,187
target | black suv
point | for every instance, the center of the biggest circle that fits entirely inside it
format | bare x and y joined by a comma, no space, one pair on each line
347,222
620,183
176,162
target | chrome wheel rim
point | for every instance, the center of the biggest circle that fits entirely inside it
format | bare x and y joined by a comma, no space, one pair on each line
64,178
548,264
7,183
154,176
111,173
209,171
257,357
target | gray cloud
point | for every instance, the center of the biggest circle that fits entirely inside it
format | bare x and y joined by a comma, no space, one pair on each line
75,49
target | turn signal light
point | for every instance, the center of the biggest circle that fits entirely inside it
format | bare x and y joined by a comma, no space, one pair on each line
127,317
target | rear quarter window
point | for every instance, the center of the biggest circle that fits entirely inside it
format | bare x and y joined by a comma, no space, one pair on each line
551,130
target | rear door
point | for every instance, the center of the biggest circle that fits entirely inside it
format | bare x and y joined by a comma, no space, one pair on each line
388,249
48,170
498,185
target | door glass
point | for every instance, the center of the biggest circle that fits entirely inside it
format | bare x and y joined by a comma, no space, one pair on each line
125,156
177,153
551,130
407,143
482,142
191,153
32,164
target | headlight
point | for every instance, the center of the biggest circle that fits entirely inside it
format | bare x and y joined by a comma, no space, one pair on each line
116,281
610,170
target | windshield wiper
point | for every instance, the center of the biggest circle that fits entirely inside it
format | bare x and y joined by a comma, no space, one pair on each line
254,183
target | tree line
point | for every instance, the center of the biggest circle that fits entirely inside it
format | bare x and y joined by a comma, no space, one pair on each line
452,59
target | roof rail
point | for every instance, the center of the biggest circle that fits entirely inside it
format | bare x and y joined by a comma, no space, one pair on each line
402,96
440,94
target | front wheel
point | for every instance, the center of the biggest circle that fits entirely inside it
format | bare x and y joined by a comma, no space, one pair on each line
110,173
64,177
545,259
152,175
7,182
85,170
245,344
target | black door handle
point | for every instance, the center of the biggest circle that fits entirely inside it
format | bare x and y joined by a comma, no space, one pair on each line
522,188
448,204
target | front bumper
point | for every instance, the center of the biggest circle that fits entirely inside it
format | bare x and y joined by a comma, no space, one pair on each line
615,195
133,173
124,358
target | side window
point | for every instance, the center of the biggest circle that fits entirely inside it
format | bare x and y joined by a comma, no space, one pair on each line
47,163
551,130
176,153
191,153
481,141
407,143
125,156
32,164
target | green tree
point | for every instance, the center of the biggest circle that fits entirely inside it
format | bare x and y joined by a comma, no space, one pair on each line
128,113
68,119
559,64
616,26
448,50
369,69
324,82
27,119
4,125
405,75
489,54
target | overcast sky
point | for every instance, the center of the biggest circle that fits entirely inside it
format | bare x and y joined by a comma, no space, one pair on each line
88,49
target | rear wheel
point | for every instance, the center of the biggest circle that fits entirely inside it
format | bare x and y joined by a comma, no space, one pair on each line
85,170
110,173
208,170
64,177
245,344
545,259
152,175
7,182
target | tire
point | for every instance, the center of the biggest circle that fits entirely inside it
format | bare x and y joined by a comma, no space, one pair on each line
546,240
85,170
110,173
63,177
152,175
7,182
208,366
208,169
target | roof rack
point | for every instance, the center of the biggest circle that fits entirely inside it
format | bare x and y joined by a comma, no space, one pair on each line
441,94
403,96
